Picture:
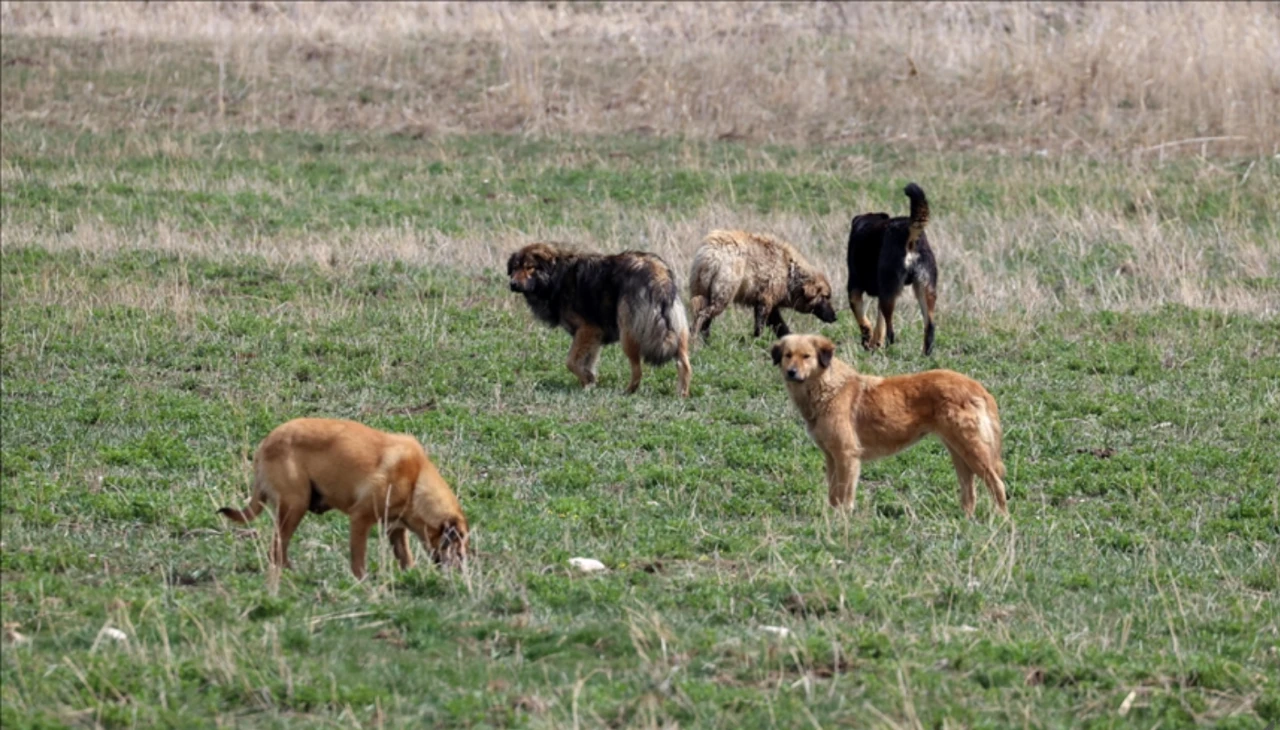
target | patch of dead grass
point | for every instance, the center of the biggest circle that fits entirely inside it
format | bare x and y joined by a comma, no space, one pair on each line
1156,78
987,264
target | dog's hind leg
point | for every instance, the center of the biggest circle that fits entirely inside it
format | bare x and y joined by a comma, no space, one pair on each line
858,304
683,369
968,497
927,295
288,515
877,331
979,459
631,348
584,354
399,539
884,323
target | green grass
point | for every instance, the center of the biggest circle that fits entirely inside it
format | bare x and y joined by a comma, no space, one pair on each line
1141,555
167,296
269,183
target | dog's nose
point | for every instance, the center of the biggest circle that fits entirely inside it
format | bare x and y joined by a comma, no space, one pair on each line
791,373
514,286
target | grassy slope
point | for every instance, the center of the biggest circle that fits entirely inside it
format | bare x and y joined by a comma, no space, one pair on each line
1141,452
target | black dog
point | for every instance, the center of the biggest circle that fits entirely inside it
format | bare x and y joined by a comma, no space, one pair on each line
885,256
599,299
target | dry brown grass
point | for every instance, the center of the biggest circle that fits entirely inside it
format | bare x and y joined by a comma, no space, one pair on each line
1084,80
989,265
1157,78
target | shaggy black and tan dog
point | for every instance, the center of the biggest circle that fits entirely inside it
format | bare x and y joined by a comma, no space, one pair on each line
757,271
629,297
886,255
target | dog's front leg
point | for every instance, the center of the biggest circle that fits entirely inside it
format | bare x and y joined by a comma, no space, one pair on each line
780,328
842,490
831,473
360,527
584,354
399,539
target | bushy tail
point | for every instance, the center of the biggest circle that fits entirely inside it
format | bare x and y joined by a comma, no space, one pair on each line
919,214
995,439
250,513
655,317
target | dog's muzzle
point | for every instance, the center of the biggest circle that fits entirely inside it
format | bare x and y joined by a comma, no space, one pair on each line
794,375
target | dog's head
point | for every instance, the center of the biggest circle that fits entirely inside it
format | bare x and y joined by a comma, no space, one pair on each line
812,295
800,357
530,267
448,542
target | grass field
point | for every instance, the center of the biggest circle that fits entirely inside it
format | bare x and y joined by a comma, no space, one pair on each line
175,282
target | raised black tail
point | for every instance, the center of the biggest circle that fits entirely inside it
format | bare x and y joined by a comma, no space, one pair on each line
919,214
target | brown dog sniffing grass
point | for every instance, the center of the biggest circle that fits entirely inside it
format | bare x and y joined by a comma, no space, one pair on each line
855,418
319,464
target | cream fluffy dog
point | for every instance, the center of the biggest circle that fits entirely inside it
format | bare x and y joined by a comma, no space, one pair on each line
757,271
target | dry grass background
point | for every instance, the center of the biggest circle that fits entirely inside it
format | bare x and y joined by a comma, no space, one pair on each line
1045,75
1130,85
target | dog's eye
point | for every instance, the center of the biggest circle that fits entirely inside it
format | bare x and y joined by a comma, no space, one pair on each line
804,356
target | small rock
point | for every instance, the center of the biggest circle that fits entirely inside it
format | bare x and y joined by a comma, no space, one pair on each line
116,634
11,633
587,565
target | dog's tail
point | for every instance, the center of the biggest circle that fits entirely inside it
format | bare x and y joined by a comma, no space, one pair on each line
919,214
250,513
990,430
243,516
654,315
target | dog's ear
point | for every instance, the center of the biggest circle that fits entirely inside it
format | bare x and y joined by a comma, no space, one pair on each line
451,549
826,350
450,534
776,352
